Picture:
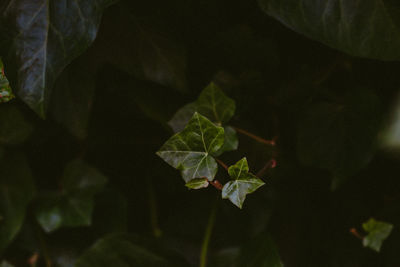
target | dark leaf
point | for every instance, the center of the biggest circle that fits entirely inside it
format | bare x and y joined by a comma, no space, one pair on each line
73,205
16,191
14,127
43,37
362,28
6,93
340,134
120,250
190,150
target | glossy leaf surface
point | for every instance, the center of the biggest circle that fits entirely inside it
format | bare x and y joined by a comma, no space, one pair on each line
243,183
42,37
361,28
190,150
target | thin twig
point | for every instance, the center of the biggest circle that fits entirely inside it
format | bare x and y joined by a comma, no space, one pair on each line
269,165
216,184
257,138
220,162
354,232
207,235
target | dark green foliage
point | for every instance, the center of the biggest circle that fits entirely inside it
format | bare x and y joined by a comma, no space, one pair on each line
266,106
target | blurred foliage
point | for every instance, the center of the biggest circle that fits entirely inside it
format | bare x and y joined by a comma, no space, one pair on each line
109,76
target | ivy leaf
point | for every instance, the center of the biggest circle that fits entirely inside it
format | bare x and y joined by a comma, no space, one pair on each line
362,28
197,183
6,93
243,183
190,150
340,135
16,191
120,250
14,128
214,104
43,37
231,142
377,233
73,206
182,116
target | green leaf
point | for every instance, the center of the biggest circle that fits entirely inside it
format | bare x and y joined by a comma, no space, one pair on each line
16,191
14,128
214,104
121,250
231,141
340,135
73,205
197,183
367,28
243,183
377,233
6,93
260,252
43,37
190,150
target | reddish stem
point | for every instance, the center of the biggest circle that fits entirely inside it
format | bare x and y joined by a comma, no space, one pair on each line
216,184
220,162
354,232
257,138
269,165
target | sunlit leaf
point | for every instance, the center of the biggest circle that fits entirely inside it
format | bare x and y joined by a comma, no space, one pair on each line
197,183
42,37
243,183
190,150
377,231
367,28
73,204
16,191
121,250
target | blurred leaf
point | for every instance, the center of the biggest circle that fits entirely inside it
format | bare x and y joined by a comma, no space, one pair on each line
42,39
377,233
6,93
197,183
16,191
340,134
72,97
243,183
5,264
14,127
182,117
362,28
154,55
73,205
190,150
120,250
260,252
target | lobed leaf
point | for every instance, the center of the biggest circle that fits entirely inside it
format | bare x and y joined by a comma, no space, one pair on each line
377,231
243,183
190,150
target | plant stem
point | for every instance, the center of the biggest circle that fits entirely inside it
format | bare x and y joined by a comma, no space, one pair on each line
269,165
216,184
207,235
220,162
255,137
153,209
354,232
